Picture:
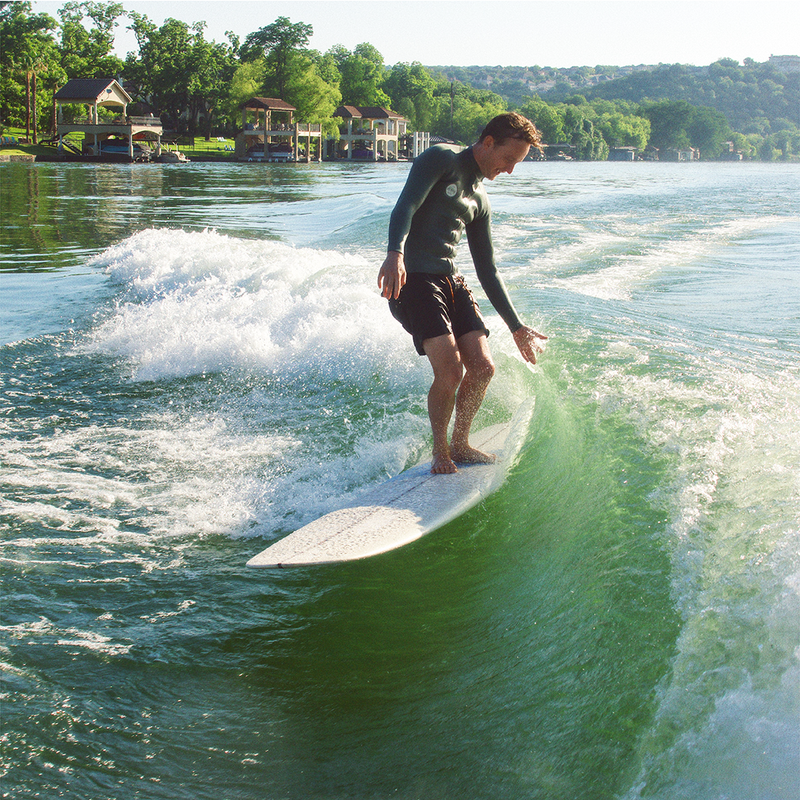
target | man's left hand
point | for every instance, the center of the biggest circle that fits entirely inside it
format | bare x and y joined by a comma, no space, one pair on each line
526,340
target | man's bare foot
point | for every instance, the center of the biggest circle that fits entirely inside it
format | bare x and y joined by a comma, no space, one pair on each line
443,465
470,455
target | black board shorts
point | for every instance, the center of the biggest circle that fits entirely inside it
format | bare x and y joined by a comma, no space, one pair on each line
436,305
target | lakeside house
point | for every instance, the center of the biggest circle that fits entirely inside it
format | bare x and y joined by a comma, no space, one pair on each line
369,133
270,133
622,154
106,135
679,154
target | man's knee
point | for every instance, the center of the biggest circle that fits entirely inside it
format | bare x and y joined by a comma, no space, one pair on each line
477,358
446,361
480,370
449,375
483,369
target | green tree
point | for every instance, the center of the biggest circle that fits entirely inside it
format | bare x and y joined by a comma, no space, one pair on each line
624,130
27,52
162,71
669,122
362,75
245,83
87,53
181,73
311,94
277,43
766,150
708,130
546,119
411,91
788,142
212,67
462,112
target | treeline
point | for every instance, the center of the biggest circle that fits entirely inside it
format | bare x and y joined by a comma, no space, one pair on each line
759,101
197,86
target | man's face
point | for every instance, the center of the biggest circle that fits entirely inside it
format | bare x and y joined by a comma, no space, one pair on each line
499,158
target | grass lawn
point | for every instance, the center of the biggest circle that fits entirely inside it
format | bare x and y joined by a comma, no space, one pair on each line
200,150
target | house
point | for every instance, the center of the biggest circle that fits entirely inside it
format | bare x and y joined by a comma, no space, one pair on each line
786,64
680,154
368,133
622,154
107,136
563,151
269,133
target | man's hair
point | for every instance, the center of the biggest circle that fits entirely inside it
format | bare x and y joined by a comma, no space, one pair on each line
512,126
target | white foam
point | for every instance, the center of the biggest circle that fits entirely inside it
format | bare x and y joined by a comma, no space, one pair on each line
312,389
202,302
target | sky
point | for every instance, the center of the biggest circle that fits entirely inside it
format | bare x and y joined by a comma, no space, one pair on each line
547,33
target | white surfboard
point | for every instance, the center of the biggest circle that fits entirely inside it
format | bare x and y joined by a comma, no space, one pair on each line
402,509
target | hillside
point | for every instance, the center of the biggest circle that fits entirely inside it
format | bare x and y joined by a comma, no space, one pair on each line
760,98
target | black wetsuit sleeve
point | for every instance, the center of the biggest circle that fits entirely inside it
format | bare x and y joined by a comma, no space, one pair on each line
480,246
425,173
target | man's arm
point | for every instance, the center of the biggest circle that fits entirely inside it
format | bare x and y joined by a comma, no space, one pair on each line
480,244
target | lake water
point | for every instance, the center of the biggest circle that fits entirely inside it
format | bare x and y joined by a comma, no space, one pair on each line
194,361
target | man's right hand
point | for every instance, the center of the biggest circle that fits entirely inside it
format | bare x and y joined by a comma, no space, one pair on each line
392,275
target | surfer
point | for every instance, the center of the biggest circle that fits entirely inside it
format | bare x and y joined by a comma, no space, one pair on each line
443,197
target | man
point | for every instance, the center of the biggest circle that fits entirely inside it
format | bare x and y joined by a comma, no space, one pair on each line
444,196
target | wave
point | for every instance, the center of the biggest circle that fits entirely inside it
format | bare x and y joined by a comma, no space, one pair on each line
727,718
260,386
195,303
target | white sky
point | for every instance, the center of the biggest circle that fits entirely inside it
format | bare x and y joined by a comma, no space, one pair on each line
554,33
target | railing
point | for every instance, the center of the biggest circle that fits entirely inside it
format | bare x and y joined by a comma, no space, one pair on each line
310,127
153,122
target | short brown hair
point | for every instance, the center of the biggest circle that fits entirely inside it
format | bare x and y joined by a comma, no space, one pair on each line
511,126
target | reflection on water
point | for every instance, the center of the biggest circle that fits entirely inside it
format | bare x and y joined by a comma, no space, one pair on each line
55,214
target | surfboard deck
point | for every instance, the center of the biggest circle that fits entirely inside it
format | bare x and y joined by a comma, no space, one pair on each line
404,508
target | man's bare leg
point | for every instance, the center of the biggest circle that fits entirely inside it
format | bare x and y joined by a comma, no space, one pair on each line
449,359
443,353
479,370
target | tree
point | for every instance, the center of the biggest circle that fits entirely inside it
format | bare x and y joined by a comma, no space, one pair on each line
624,130
27,51
277,42
362,76
162,71
546,118
88,53
179,72
212,67
307,90
411,91
669,122
708,130
679,124
245,83
462,112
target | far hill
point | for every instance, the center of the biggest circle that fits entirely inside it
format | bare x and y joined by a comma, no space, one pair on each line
755,97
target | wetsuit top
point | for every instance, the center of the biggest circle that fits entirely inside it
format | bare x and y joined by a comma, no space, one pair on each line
444,196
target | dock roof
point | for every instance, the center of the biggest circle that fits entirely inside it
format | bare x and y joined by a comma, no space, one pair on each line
366,112
92,90
269,103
